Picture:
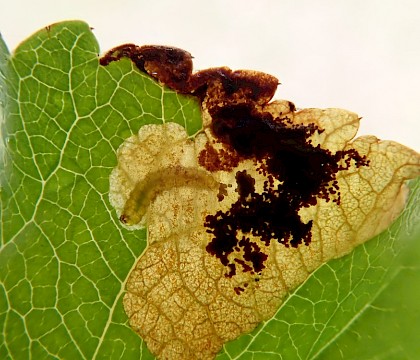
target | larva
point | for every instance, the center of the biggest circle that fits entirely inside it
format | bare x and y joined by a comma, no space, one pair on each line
156,182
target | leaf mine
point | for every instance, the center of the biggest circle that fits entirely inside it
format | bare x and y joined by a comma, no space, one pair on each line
242,213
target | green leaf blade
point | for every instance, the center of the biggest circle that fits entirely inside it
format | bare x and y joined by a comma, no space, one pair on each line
64,259
56,199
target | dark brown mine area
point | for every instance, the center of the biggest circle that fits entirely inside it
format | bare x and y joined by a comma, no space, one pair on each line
281,151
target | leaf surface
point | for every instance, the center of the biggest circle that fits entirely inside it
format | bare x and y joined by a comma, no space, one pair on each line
64,258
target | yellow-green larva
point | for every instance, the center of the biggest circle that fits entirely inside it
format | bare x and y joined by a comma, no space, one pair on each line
156,182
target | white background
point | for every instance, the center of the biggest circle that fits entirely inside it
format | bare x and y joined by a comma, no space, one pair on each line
361,55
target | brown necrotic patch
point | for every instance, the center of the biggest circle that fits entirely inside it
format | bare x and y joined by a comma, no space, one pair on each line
282,152
173,67
297,172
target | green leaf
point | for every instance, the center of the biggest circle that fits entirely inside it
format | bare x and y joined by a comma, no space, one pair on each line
64,258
